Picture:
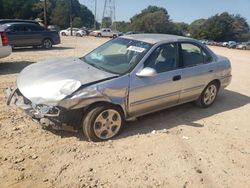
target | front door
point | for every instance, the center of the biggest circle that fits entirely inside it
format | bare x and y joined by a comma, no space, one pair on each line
147,94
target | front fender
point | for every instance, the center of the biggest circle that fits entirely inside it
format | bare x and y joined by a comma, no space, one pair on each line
113,91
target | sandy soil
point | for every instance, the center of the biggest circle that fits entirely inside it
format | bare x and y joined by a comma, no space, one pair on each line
184,146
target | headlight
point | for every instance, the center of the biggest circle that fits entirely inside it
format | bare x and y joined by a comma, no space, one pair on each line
45,110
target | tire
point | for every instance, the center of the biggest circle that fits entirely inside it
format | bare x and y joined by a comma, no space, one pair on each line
47,44
114,36
78,35
244,48
102,123
208,95
63,34
99,35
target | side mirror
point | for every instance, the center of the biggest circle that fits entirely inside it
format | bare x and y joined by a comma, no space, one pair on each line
147,72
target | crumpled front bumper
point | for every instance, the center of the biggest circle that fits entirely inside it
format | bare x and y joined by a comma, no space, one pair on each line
47,116
15,97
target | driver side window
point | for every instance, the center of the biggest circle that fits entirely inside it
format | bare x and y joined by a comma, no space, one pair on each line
163,59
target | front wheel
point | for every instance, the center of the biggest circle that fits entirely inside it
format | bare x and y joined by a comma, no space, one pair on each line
102,123
208,96
47,43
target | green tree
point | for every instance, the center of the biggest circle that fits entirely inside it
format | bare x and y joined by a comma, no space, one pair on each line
196,29
122,26
106,22
77,22
18,9
1,9
221,27
181,28
152,20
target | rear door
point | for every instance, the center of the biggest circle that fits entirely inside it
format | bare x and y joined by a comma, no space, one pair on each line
33,34
16,34
197,70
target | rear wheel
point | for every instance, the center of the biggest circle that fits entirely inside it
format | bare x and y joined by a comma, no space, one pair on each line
102,123
47,43
63,34
78,34
99,35
208,96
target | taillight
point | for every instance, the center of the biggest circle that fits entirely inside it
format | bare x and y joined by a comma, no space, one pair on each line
4,38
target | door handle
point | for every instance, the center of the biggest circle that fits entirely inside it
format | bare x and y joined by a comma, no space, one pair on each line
177,77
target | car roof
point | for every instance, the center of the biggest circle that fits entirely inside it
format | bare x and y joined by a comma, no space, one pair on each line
20,23
156,38
4,21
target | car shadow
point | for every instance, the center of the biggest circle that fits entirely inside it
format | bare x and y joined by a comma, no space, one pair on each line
186,114
13,67
27,49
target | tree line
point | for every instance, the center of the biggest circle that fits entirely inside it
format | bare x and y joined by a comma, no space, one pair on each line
58,12
220,27
153,19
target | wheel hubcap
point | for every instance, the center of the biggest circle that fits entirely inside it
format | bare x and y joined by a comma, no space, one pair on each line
210,94
47,44
107,124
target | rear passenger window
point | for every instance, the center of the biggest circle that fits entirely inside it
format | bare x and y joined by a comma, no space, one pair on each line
18,28
193,55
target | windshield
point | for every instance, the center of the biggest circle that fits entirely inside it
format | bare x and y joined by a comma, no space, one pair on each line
118,56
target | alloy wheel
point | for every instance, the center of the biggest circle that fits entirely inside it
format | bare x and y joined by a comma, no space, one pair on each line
107,124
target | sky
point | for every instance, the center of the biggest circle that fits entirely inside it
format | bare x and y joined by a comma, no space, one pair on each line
179,10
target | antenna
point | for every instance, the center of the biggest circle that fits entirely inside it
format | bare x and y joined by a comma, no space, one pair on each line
108,17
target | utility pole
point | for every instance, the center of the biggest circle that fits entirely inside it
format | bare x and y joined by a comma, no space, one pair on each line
45,13
70,17
95,15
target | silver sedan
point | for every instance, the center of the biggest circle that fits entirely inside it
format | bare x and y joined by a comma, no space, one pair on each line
119,81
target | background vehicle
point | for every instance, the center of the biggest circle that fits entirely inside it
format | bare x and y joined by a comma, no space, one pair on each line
232,44
243,46
105,32
29,34
5,49
75,32
53,28
130,33
4,21
225,44
114,83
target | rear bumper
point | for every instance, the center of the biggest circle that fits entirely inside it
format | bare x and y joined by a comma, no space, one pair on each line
5,51
225,81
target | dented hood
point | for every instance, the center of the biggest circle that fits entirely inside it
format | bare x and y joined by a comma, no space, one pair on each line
48,82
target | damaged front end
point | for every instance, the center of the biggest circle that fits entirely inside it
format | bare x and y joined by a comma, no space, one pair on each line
54,117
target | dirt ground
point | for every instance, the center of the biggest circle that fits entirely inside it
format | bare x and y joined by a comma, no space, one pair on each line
184,146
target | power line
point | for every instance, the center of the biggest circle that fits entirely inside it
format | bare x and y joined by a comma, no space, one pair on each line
109,12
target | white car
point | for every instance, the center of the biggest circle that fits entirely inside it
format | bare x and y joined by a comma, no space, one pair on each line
225,44
75,32
5,48
105,32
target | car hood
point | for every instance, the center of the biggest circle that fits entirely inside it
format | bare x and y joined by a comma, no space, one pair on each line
48,82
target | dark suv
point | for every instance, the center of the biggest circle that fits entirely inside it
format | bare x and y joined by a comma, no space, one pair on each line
30,34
